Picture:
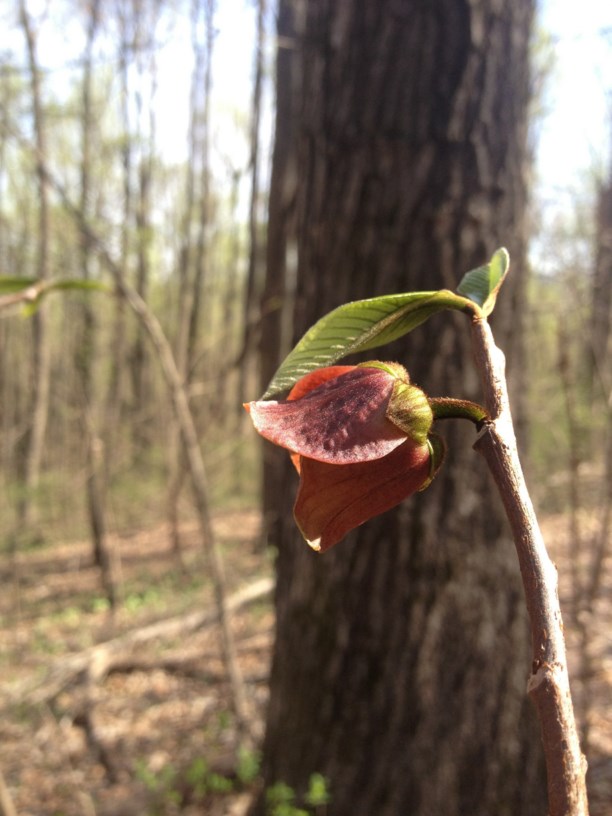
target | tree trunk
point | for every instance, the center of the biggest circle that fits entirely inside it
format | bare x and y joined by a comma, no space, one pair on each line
601,309
253,287
192,256
115,398
143,20
276,299
203,204
94,448
41,346
402,655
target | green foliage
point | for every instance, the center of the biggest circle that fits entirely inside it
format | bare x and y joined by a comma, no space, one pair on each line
31,307
100,605
162,784
281,799
483,283
203,780
360,326
9,284
248,765
318,791
147,598
367,324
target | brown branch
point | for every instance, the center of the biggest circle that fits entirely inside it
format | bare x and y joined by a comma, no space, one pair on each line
29,294
548,684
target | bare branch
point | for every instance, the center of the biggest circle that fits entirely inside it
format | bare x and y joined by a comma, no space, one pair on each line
548,684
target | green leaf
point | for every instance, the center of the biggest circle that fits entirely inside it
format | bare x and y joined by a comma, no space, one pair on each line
11,283
74,284
482,284
360,326
62,285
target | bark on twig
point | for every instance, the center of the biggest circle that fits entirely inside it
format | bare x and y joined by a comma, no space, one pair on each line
548,684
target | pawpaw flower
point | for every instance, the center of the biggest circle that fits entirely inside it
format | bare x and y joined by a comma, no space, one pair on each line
360,438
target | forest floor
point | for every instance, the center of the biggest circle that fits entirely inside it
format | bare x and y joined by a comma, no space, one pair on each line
148,729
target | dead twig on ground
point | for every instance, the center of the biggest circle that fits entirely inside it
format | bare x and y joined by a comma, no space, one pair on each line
93,664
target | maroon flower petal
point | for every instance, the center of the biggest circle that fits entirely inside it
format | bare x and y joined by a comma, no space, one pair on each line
341,421
316,378
334,499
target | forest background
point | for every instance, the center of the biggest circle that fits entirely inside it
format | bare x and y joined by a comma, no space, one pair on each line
135,145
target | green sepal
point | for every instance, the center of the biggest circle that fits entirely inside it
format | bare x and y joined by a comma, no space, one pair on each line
437,450
410,410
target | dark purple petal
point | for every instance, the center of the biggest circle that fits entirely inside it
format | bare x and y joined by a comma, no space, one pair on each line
341,421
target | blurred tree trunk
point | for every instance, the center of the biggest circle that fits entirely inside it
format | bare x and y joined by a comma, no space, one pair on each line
200,258
115,399
252,313
601,310
41,346
402,655
143,20
193,242
85,356
276,298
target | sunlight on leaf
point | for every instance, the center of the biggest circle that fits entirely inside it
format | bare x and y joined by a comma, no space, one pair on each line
360,326
482,284
74,284
10,284
62,285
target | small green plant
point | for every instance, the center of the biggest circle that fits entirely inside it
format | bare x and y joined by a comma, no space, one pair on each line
136,601
318,791
196,776
161,784
281,799
100,605
248,765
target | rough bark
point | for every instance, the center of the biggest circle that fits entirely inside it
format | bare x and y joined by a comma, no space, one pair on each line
402,655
